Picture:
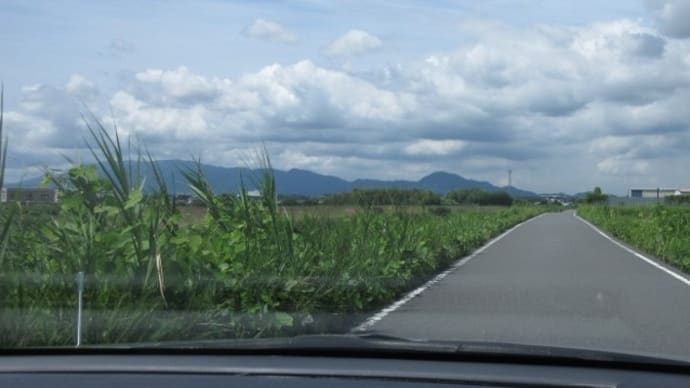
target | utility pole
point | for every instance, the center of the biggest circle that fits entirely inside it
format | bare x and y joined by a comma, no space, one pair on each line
510,178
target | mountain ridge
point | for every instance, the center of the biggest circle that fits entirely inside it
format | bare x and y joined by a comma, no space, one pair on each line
304,182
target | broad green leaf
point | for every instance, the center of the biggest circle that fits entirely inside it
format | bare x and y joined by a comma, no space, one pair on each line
135,197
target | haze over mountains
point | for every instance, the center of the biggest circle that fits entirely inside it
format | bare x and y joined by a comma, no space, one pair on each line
304,182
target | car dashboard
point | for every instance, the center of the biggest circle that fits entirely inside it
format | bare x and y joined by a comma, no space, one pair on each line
266,370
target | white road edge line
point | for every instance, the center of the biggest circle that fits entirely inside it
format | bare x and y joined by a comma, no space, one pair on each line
412,294
636,254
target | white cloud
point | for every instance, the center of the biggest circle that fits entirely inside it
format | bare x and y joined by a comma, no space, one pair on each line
137,118
353,42
124,101
180,83
304,95
623,167
434,147
78,83
271,31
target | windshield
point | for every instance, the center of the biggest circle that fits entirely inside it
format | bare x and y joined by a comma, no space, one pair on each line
493,172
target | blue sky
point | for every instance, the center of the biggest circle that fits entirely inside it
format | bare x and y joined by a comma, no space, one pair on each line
566,94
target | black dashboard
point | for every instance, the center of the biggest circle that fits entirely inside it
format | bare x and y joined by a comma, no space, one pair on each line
215,370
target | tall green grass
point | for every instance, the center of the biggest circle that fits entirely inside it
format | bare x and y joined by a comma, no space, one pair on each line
661,230
246,269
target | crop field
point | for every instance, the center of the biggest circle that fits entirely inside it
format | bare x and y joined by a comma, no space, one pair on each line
243,267
661,230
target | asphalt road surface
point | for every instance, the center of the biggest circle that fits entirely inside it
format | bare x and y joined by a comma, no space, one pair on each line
553,280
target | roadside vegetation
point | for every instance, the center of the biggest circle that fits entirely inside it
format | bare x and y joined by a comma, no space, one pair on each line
662,230
408,197
595,196
246,268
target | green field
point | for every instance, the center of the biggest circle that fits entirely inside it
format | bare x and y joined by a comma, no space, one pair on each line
661,230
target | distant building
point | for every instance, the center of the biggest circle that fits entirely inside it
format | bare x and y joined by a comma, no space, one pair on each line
253,194
29,195
183,199
561,199
657,193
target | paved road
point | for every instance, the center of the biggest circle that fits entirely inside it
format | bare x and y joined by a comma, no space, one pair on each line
554,281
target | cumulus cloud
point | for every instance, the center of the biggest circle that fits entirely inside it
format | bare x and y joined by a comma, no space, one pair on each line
271,31
353,42
282,103
672,16
623,167
179,84
606,101
82,87
158,122
434,147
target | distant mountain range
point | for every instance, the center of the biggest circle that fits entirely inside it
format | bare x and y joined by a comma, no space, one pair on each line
304,182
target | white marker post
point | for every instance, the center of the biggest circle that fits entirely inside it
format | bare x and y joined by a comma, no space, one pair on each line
80,292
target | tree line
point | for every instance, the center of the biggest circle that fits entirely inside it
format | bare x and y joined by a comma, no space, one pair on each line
400,197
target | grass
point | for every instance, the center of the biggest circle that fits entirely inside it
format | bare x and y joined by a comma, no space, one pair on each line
240,268
661,230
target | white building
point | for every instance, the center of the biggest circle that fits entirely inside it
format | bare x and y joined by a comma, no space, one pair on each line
35,195
656,192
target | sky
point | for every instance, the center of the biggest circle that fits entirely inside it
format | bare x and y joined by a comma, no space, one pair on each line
568,95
